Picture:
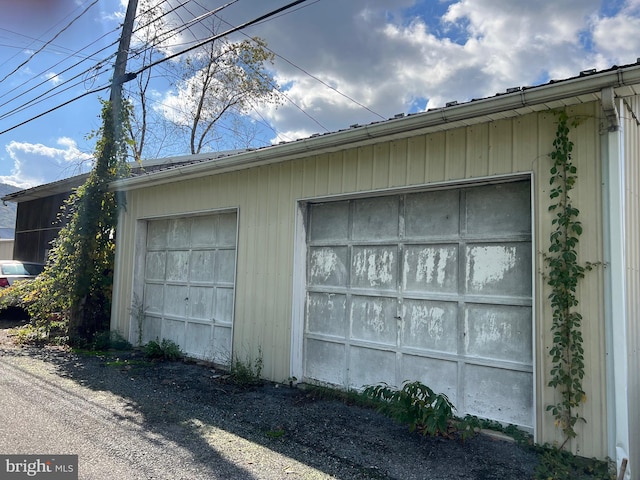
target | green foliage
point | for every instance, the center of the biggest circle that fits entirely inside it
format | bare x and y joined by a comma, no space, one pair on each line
556,464
164,350
109,341
248,371
75,287
564,273
51,332
416,405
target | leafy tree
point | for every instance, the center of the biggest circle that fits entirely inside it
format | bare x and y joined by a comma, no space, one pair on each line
219,82
75,287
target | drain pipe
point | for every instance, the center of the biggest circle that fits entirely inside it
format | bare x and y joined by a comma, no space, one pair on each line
615,282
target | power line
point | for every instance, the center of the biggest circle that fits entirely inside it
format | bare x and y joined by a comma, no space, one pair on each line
57,107
49,42
133,75
220,35
311,75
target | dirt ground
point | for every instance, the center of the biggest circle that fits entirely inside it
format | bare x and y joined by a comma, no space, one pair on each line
340,440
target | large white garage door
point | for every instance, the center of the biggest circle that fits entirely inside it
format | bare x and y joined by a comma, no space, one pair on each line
432,286
189,279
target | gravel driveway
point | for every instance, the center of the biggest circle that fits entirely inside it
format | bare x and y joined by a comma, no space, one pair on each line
171,420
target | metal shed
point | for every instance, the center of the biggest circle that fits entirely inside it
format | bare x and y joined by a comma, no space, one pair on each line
407,249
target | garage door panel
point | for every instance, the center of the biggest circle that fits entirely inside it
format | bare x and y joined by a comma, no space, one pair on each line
155,266
325,361
176,299
326,314
430,325
499,394
374,267
152,328
432,214
499,269
440,375
179,232
227,226
178,266
153,298
368,367
198,340
224,266
201,266
201,303
327,266
375,218
329,221
175,331
373,319
499,332
203,232
157,234
482,216
221,345
431,268
224,305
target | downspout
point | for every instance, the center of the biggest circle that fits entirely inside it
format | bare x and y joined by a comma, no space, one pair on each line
615,281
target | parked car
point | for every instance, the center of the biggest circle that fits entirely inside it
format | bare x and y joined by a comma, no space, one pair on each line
15,270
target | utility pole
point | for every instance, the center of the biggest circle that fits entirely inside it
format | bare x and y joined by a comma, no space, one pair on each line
120,68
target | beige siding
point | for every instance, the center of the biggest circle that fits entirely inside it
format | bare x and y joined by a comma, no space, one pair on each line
631,129
266,201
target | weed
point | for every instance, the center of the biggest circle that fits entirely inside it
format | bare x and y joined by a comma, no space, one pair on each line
277,432
165,350
248,371
109,340
556,464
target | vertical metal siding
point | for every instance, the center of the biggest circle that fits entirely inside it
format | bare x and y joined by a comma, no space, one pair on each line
266,199
631,131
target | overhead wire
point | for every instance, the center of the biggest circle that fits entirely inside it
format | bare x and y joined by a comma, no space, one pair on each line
48,42
308,73
146,67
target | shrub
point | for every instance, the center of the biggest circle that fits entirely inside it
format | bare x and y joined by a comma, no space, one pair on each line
164,350
415,404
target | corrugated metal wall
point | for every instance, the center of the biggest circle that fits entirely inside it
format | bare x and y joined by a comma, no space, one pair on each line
266,197
631,129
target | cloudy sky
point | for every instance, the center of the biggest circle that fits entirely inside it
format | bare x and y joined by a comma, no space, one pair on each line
338,63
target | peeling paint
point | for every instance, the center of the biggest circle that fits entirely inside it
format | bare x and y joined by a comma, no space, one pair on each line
326,263
374,266
489,264
430,266
427,319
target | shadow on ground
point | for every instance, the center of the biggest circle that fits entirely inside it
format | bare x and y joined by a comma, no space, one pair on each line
187,403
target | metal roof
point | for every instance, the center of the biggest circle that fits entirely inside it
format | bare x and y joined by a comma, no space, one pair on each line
582,88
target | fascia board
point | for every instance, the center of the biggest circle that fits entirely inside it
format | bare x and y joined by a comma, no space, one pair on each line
548,96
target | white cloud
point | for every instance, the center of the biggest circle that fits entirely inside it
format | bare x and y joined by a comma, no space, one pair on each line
35,164
386,58
53,78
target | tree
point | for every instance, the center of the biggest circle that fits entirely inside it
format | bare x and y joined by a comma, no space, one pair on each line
221,82
75,287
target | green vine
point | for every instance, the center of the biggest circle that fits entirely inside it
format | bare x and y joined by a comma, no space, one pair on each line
564,273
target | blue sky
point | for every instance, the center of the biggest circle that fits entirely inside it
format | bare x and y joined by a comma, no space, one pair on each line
390,56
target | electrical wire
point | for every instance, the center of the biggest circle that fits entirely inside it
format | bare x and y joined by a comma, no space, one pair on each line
90,92
215,37
308,73
49,42
146,67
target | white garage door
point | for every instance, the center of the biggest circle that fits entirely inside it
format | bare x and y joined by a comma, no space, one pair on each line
432,286
189,280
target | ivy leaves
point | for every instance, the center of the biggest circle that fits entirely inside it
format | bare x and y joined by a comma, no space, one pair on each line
564,274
